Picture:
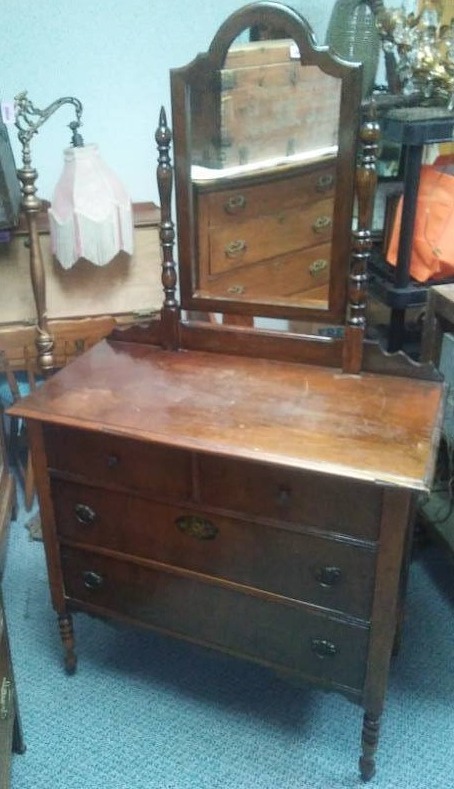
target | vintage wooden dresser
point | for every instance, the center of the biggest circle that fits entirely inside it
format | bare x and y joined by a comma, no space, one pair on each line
245,488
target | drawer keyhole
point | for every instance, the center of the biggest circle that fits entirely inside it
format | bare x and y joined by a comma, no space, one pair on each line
284,496
84,514
92,580
112,461
328,576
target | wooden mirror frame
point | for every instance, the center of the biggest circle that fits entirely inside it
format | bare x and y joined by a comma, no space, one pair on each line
347,350
199,76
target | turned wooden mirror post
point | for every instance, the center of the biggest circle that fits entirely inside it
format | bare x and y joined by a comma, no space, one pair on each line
170,313
366,180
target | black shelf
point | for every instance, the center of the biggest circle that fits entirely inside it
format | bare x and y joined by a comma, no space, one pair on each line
413,128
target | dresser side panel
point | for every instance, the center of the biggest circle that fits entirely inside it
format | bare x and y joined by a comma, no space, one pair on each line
49,531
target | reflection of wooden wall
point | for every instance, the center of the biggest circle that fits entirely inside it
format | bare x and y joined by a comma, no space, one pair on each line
447,7
448,11
271,107
83,303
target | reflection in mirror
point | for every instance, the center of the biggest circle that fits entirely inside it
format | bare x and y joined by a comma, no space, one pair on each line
265,129
263,183
272,109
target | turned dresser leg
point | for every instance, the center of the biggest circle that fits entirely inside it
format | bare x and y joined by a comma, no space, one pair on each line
369,741
65,623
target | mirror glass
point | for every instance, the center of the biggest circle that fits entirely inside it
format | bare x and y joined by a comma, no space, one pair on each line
263,226
264,185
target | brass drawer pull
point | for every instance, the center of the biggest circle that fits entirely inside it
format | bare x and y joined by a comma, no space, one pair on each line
235,249
85,514
197,527
328,576
325,182
92,580
318,266
322,223
324,649
6,698
236,290
235,204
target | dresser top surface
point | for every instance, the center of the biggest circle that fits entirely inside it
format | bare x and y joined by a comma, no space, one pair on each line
371,427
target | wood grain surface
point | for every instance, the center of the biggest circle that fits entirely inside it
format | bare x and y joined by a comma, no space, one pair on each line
372,427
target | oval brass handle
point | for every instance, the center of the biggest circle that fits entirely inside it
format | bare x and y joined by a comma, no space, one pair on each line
235,248
197,527
6,699
324,649
325,182
92,580
328,576
318,266
84,514
321,223
235,204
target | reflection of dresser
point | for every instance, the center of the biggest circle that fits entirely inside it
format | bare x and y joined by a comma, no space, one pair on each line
267,235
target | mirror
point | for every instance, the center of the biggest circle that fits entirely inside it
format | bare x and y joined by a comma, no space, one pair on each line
265,127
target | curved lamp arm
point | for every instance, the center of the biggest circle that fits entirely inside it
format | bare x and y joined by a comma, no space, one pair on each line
28,120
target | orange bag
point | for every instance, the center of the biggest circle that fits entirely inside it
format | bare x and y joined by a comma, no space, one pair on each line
432,254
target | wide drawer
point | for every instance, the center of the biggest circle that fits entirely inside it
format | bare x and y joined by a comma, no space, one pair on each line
269,236
287,636
103,458
242,201
285,276
332,504
320,571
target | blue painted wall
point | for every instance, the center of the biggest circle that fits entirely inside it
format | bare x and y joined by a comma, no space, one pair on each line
115,56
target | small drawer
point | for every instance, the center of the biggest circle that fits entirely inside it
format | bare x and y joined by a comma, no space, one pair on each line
322,648
329,503
303,567
102,458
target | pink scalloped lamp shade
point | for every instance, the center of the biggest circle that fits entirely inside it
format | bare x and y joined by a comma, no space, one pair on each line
91,213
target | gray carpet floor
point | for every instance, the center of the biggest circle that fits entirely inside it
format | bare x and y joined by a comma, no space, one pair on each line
147,712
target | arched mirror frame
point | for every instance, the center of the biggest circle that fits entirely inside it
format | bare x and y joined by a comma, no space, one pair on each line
200,77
